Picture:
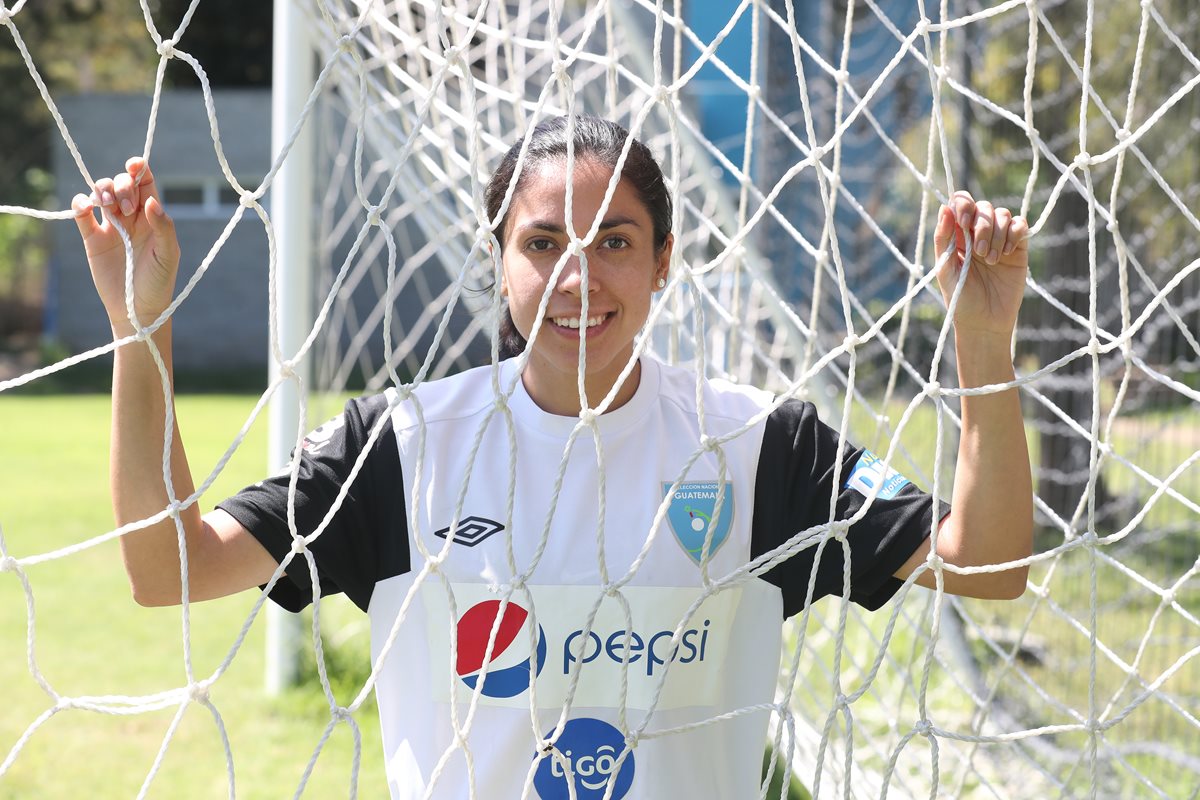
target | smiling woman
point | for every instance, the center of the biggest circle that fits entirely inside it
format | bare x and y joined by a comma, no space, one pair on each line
506,655
598,296
628,256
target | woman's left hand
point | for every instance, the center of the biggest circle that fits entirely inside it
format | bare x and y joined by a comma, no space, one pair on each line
1000,262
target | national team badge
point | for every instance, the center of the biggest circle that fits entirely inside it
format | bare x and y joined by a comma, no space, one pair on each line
691,515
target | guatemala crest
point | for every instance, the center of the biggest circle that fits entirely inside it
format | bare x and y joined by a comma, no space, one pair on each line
691,515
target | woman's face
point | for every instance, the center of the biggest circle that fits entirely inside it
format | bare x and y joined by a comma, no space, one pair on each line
623,269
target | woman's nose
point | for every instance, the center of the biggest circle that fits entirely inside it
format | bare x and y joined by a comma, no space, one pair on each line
571,279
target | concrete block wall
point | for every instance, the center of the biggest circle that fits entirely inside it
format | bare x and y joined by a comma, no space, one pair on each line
223,324
224,321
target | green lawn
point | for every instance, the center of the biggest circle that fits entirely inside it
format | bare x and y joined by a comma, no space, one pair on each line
92,639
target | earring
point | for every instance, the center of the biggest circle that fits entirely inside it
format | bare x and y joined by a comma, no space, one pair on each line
662,283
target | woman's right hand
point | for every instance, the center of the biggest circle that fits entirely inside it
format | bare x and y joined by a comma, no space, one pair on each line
132,198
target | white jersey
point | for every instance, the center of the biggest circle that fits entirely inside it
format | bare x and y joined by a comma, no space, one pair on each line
496,618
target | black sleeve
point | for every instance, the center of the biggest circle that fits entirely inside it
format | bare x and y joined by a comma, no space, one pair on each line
366,540
792,494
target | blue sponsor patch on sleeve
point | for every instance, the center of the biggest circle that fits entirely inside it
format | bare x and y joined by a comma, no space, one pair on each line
868,474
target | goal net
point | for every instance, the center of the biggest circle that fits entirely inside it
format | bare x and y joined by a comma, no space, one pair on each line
807,147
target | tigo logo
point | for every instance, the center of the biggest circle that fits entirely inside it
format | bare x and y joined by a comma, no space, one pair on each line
512,666
590,748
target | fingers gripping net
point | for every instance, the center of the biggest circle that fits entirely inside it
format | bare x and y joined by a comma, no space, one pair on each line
804,264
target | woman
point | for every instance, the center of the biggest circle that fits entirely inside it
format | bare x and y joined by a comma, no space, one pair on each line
531,596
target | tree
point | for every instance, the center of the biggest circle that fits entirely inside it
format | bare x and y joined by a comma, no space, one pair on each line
1000,158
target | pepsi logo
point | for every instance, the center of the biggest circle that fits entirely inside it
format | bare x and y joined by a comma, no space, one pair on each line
588,752
513,664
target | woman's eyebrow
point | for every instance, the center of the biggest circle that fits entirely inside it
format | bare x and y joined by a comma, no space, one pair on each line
554,227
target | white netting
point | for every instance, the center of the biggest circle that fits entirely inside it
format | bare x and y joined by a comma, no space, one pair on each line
803,264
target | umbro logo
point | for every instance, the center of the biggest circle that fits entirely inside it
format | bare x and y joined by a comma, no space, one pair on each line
472,530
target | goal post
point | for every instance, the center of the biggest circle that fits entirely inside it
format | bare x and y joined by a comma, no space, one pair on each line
292,73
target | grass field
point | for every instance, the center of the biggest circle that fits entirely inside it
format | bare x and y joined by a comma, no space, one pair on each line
93,640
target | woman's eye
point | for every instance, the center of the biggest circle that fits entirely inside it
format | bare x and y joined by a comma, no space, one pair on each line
539,245
615,243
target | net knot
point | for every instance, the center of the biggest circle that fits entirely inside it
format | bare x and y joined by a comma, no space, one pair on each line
559,70
923,26
403,393
198,691
934,560
8,564
340,714
933,388
611,590
1147,4
923,727
1168,597
587,417
299,545
345,43
842,77
501,401
662,94
374,218
1082,160
453,55
1123,134
820,257
287,369
816,154
576,248
841,701
839,529
1093,347
247,200
851,341
753,91
5,16
167,48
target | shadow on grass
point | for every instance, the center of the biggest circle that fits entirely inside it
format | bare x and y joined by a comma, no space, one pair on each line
795,790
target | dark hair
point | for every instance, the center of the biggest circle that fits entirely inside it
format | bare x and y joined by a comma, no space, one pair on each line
599,141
